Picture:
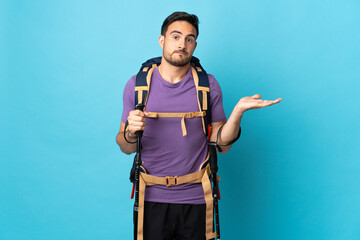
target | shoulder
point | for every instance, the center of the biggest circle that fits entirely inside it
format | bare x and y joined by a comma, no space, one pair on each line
213,84
130,85
129,90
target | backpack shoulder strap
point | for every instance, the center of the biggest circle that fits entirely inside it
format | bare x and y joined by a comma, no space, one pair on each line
203,91
143,80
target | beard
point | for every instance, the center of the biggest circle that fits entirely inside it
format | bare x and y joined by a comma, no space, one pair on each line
181,62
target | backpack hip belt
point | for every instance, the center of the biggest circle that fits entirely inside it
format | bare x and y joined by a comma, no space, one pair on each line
202,176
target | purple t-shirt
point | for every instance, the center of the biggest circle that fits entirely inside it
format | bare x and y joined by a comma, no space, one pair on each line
165,151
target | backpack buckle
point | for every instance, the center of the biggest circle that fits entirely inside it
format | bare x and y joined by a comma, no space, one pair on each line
190,115
171,181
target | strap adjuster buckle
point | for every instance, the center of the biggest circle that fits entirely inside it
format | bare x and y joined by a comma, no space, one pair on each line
171,181
190,115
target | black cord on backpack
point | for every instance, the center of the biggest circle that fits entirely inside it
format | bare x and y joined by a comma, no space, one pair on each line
126,124
217,138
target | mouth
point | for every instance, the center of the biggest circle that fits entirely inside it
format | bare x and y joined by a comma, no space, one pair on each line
180,52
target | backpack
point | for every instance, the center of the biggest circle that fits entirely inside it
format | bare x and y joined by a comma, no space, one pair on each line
142,88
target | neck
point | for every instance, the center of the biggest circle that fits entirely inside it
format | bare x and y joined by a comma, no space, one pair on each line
171,73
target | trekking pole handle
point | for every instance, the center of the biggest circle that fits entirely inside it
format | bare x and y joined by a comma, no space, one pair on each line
140,107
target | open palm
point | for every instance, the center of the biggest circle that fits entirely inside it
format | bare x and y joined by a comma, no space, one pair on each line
254,102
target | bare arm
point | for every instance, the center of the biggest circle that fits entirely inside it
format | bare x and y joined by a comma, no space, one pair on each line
123,144
231,128
136,122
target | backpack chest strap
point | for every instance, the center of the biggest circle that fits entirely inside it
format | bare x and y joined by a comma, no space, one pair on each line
178,115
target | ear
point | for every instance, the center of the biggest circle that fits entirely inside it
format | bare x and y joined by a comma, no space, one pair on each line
161,41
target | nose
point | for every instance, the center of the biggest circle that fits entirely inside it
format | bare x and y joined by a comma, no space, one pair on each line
181,44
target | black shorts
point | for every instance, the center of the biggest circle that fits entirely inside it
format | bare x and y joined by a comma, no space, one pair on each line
167,221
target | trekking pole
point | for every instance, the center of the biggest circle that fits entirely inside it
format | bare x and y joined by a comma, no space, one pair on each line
138,163
214,169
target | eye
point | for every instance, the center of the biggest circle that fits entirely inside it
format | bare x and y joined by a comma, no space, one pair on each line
190,40
175,37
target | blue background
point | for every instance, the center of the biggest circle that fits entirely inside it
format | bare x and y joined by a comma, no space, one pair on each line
295,172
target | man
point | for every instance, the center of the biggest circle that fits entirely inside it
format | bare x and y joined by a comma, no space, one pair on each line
177,212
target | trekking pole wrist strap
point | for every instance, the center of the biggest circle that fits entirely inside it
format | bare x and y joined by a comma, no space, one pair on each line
217,138
126,124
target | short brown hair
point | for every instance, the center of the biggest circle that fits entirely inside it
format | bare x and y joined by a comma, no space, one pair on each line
180,16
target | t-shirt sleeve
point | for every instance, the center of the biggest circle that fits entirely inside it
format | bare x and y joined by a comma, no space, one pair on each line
128,98
216,101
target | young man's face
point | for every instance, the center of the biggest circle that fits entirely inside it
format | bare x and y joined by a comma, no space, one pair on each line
179,43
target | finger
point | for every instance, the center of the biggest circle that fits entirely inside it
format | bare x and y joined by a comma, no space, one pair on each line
256,96
136,118
136,124
133,130
137,128
266,103
276,100
136,113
